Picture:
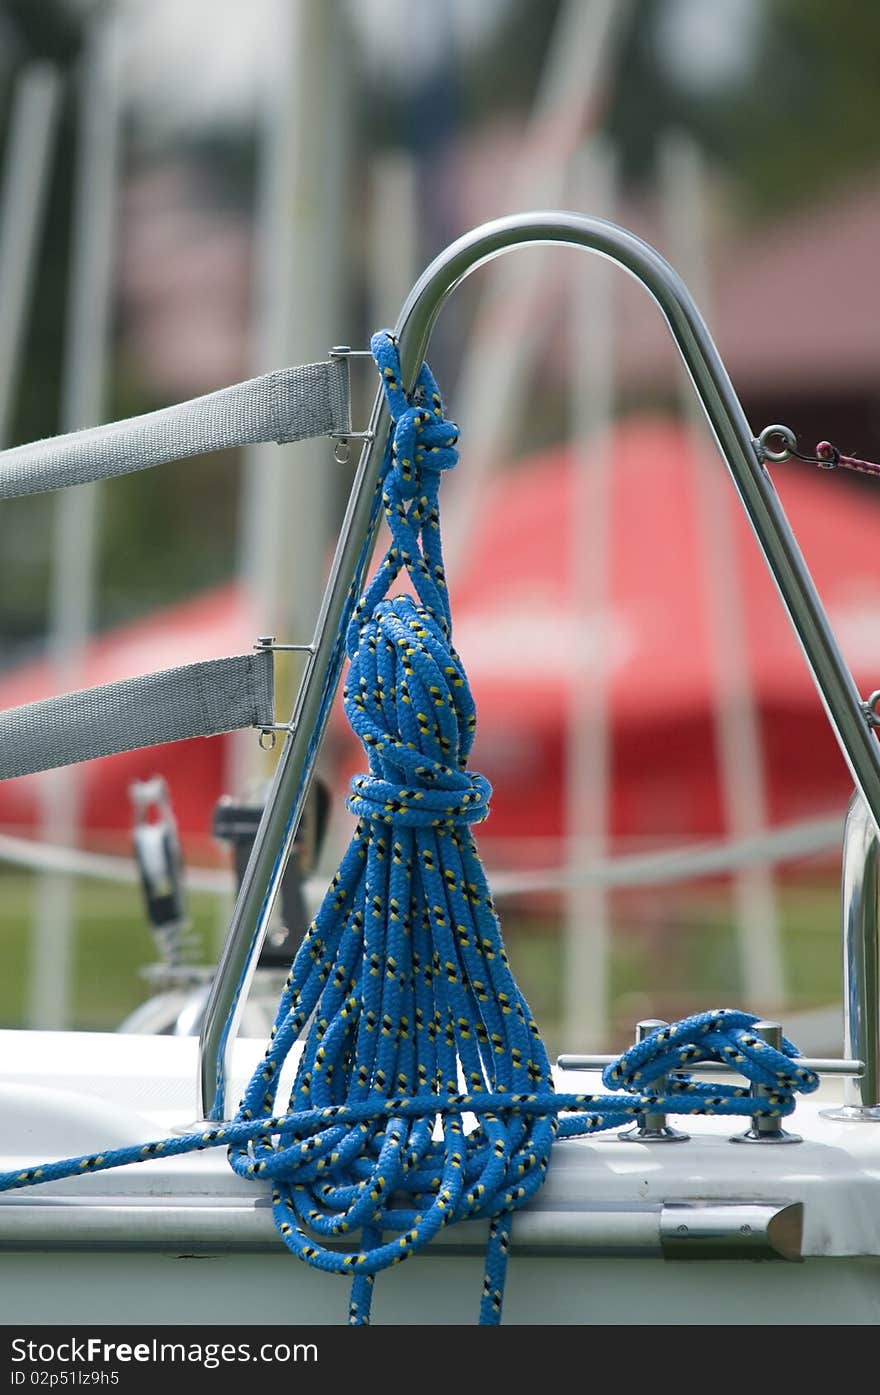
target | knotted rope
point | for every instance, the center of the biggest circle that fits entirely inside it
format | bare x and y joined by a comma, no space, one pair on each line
423,1094
405,953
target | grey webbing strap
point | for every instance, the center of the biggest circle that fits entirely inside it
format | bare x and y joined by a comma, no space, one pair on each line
201,699
291,404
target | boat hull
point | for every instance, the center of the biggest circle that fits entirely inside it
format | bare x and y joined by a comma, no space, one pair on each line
622,1232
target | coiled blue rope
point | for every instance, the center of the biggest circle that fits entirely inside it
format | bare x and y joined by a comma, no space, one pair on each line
411,1017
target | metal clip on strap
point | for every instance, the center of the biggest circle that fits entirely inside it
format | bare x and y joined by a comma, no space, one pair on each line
291,404
201,699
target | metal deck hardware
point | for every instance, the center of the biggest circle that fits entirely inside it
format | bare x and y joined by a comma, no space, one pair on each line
764,1129
651,1127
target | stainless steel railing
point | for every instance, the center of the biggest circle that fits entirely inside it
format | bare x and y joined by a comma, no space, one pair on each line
860,897
752,482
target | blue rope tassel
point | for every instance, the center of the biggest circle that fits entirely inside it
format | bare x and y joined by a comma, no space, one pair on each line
412,1018
406,953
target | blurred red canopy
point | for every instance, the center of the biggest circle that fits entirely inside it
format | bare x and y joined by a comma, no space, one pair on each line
522,631
526,637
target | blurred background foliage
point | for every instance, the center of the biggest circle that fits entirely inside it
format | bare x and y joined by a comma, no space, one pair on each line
781,99
787,113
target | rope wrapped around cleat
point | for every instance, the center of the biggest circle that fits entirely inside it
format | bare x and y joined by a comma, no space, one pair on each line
423,1094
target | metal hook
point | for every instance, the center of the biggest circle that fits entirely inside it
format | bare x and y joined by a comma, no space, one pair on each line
343,439
783,433
827,457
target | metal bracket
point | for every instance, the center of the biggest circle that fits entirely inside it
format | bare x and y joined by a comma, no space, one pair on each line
264,642
343,439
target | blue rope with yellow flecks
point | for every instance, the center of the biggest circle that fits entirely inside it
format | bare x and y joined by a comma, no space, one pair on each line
411,1017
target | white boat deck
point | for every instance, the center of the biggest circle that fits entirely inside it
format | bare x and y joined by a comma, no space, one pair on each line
611,1215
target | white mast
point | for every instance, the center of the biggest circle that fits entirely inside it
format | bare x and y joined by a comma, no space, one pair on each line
393,236
737,732
507,338
588,744
75,528
286,514
33,124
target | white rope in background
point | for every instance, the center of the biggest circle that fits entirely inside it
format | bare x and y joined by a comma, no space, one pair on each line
788,843
42,857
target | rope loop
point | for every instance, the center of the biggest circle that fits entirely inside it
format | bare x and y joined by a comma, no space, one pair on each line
374,798
420,447
721,1034
407,696
423,441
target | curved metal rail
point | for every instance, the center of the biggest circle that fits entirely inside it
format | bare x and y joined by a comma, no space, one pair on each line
775,538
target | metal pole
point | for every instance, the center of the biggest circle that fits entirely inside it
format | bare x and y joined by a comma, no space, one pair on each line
286,527
287,491
775,538
652,1125
507,339
764,1129
737,730
75,528
30,144
393,234
860,888
587,919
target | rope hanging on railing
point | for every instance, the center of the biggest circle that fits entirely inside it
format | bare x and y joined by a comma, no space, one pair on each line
412,1018
405,952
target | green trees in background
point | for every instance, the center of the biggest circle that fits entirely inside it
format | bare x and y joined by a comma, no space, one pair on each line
799,121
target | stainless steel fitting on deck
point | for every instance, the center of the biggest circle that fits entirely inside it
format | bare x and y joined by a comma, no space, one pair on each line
764,1129
651,1127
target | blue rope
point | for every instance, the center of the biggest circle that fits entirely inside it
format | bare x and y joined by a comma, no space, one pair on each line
411,1017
